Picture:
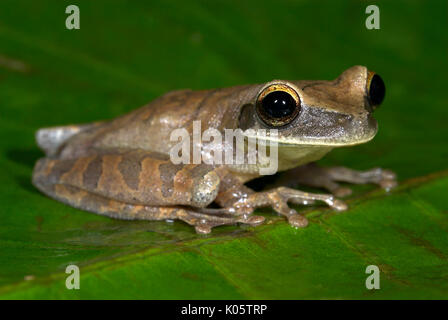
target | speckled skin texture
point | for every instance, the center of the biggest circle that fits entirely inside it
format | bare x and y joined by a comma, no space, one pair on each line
121,168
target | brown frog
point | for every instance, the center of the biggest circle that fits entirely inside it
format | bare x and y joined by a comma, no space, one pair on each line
122,168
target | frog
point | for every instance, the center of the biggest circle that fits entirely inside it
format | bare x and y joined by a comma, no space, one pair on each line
121,168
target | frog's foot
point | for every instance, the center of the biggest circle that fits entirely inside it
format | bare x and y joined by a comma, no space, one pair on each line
204,222
278,199
386,179
315,176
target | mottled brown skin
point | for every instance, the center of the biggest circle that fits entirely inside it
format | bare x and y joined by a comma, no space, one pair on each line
121,168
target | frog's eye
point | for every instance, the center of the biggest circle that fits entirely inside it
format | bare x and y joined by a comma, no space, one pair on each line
278,105
375,89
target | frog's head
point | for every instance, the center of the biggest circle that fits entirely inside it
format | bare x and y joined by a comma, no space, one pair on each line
320,113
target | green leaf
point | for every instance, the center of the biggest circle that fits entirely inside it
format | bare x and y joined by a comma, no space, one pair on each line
125,55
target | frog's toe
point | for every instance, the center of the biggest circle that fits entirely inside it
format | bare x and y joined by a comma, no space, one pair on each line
203,228
342,192
388,184
254,220
298,221
388,175
337,204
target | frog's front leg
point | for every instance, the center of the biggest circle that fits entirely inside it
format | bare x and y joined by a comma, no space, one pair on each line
315,176
238,199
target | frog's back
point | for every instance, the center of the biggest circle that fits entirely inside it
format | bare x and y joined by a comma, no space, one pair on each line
149,127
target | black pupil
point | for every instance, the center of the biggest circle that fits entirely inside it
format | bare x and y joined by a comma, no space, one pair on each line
377,90
279,104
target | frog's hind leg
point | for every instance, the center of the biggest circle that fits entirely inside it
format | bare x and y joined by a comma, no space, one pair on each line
91,202
96,184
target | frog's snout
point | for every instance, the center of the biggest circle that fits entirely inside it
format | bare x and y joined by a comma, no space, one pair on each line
371,121
363,128
372,125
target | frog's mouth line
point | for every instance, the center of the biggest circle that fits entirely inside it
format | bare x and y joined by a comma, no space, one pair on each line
317,142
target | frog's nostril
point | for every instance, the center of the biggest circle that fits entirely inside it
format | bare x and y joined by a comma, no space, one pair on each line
371,122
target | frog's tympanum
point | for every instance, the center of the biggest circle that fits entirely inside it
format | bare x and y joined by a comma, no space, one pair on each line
122,169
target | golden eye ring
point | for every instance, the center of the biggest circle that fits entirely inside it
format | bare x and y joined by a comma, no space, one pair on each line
278,105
